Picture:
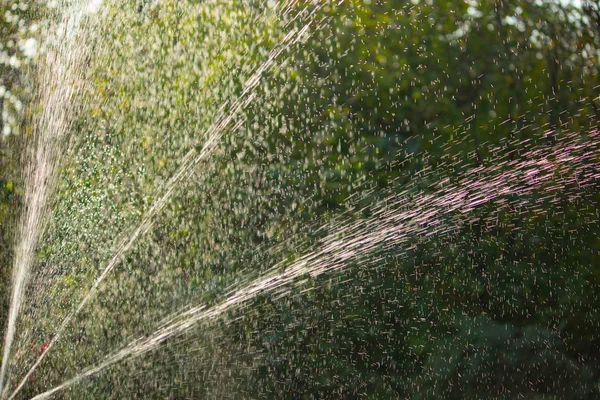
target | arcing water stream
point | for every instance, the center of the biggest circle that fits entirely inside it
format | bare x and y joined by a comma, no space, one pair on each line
390,226
60,84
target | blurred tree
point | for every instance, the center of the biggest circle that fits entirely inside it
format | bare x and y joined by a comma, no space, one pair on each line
19,22
381,97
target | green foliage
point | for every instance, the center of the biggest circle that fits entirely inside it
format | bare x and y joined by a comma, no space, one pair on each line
19,22
379,100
